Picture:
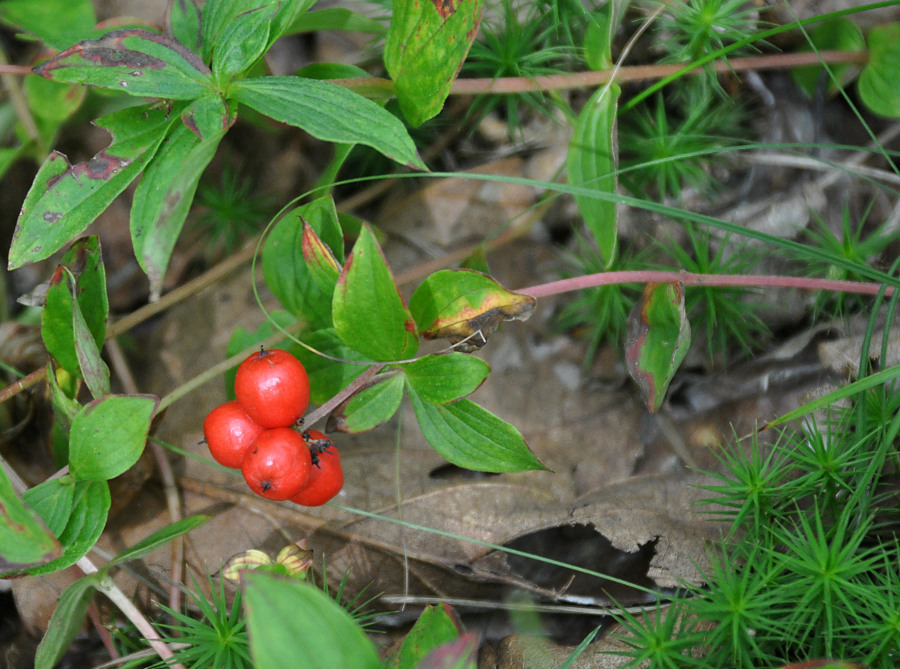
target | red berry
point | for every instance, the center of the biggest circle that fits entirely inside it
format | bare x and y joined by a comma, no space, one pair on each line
326,478
277,464
272,387
229,432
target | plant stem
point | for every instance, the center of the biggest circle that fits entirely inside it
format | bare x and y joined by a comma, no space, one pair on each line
111,590
559,82
359,382
690,279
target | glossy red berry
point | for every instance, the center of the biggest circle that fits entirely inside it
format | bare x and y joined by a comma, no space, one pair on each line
229,431
326,478
277,464
272,387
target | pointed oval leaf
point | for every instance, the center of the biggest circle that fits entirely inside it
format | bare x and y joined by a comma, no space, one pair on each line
64,199
24,539
66,334
369,314
879,82
370,407
165,193
160,538
287,275
73,321
471,437
592,163
322,265
53,499
426,45
182,21
465,305
90,364
447,377
57,24
66,622
108,435
243,41
90,507
461,653
435,627
330,113
134,61
659,336
280,615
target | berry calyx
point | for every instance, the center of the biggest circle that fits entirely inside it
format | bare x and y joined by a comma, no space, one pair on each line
272,387
229,431
326,478
277,464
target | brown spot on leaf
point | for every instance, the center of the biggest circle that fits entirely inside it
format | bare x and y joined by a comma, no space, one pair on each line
446,8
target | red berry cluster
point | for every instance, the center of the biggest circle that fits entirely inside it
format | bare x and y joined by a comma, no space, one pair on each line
254,433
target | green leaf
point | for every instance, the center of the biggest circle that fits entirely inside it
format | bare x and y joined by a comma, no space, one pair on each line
879,82
426,45
447,377
66,621
108,435
80,275
90,506
286,273
53,101
461,653
57,23
336,18
659,337
24,540
8,156
280,616
165,193
436,626
322,265
370,407
463,304
53,499
64,199
134,61
598,39
592,163
90,364
183,23
471,437
159,538
323,216
369,314
328,377
330,113
243,41
840,34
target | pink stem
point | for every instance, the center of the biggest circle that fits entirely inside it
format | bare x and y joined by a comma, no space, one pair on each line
690,279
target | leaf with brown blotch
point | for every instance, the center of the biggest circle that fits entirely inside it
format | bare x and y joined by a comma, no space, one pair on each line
463,305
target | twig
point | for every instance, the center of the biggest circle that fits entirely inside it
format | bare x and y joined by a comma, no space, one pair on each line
170,489
560,82
125,605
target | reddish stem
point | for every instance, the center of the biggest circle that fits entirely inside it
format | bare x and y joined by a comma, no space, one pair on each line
690,279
